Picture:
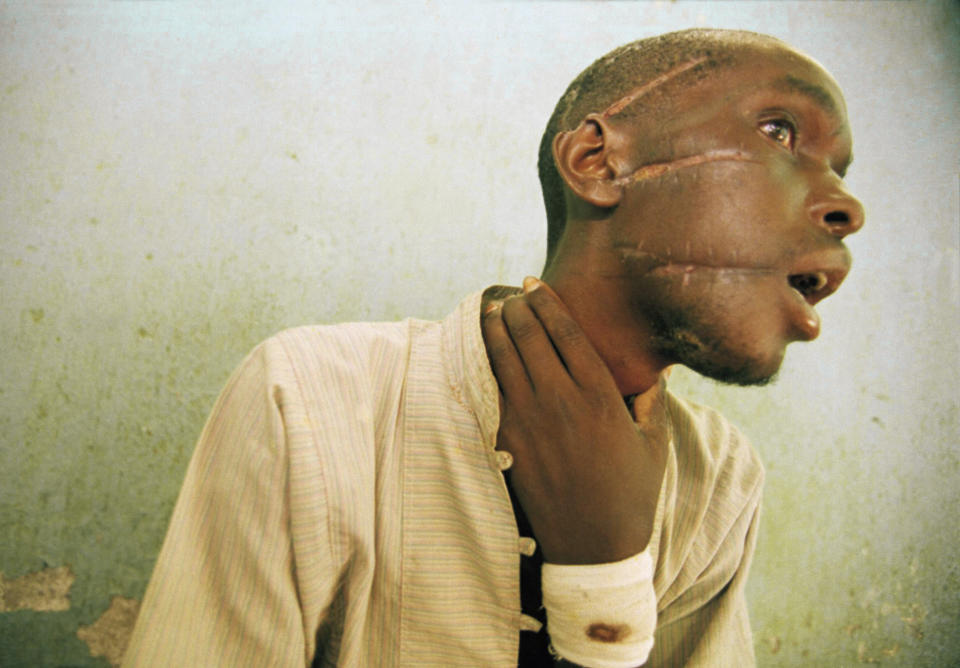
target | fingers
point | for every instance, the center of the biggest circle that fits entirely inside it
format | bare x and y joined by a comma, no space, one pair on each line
534,342
504,358
577,353
531,350
537,352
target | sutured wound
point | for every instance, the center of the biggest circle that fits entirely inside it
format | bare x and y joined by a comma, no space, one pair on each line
667,266
657,169
645,88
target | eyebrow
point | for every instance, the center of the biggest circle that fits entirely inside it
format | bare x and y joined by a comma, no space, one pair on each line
814,92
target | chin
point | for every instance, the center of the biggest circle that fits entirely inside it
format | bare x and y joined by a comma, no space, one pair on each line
745,376
719,361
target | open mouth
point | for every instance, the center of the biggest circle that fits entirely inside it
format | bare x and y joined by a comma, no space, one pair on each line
809,285
815,285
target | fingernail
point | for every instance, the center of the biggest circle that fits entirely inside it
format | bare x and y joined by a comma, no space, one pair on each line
491,307
530,284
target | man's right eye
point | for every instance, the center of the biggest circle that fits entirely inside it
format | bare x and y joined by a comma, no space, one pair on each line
781,131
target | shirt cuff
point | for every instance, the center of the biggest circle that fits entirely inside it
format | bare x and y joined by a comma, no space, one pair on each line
601,615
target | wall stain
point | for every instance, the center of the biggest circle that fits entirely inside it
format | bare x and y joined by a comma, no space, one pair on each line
44,591
110,634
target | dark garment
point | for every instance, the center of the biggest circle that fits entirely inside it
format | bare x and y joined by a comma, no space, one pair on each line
534,651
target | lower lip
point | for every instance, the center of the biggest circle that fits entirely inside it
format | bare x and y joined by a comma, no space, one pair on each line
803,317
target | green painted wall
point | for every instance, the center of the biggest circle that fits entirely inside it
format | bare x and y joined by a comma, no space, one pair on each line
180,181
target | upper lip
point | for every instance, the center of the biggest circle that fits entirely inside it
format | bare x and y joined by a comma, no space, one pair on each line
818,275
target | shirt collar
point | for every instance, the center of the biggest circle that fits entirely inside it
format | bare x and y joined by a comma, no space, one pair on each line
468,368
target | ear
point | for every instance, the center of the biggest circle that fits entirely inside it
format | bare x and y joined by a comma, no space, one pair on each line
587,160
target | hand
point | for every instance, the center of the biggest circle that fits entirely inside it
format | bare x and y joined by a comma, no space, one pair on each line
585,471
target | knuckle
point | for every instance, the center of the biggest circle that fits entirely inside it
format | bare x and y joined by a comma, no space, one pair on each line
500,350
524,330
566,331
541,298
521,323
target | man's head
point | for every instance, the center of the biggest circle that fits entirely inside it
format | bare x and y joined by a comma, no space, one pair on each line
695,203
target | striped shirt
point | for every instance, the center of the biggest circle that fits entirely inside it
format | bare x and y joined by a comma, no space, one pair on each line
345,506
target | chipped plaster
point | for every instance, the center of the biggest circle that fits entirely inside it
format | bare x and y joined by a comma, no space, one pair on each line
47,590
109,635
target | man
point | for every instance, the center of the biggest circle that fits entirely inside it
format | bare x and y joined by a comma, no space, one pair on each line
397,493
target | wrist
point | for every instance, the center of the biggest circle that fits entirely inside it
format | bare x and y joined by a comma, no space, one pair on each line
601,615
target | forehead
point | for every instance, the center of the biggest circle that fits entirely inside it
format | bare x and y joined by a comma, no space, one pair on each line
771,74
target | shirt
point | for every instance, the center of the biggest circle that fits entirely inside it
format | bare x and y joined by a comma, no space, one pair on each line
345,506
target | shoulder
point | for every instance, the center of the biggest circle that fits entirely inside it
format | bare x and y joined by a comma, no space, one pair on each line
353,353
713,455
329,369
713,490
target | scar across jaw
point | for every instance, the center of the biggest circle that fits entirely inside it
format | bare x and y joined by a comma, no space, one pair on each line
664,265
686,270
657,169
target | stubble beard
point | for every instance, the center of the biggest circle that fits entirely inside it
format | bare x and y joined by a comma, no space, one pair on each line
682,338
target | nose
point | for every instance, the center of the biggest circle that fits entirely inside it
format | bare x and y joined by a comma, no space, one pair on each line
838,212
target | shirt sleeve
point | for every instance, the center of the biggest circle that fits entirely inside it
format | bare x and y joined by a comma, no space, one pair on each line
224,591
716,631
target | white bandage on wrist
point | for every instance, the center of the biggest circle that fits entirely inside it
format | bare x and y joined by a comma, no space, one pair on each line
601,615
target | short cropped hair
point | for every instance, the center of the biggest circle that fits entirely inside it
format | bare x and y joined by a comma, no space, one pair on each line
612,77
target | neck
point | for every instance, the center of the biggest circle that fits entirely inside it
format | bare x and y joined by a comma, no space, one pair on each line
601,307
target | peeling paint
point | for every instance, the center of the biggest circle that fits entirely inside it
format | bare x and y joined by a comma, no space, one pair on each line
44,591
110,634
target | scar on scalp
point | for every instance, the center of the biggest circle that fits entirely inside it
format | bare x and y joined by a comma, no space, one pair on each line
645,88
657,169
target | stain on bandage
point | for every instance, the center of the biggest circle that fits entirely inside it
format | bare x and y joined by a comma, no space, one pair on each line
608,633
657,169
645,88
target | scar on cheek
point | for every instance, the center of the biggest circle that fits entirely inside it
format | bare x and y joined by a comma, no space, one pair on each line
657,169
645,88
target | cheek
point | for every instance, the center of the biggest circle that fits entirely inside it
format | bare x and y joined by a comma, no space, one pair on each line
716,214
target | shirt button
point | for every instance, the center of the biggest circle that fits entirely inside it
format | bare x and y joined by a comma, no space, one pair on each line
527,546
528,623
504,459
